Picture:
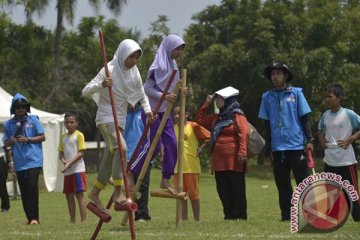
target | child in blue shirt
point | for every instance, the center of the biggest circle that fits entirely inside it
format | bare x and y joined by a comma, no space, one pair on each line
24,134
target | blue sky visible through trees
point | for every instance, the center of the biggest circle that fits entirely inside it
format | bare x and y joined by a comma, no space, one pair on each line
137,14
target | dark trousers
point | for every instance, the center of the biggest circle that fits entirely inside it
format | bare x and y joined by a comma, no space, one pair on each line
143,211
283,163
28,182
230,186
348,173
5,203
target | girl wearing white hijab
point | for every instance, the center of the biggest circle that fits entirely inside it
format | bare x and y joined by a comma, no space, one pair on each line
127,89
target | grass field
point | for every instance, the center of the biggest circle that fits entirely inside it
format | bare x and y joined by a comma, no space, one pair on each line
263,217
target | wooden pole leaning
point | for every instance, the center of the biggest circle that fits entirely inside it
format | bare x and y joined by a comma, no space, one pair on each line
121,153
180,149
152,149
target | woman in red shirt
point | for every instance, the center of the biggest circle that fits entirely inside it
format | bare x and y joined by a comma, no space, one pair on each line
228,143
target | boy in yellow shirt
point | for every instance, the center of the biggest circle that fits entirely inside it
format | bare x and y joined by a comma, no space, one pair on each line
71,152
193,135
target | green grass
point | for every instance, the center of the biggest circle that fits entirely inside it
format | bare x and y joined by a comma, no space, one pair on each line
263,216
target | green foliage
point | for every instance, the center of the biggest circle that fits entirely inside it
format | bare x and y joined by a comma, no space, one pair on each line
149,45
25,61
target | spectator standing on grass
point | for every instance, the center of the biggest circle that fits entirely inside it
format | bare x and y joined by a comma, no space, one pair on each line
193,135
228,144
285,112
71,152
134,128
338,128
25,134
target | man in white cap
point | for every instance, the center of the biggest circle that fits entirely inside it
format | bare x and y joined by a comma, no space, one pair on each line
285,111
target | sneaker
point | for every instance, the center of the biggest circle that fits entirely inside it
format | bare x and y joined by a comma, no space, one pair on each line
4,210
142,218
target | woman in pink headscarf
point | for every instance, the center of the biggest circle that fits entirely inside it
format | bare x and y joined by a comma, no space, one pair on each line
160,70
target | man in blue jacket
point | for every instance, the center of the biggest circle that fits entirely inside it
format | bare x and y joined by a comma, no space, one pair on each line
285,111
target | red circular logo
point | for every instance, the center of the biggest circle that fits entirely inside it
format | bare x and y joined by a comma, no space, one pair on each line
325,206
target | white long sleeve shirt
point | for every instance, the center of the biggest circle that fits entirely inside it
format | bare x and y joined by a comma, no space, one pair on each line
123,95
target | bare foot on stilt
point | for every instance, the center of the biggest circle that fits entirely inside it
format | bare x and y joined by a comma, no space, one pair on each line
94,197
165,184
119,198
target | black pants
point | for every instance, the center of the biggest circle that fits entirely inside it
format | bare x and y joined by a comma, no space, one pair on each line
284,163
143,211
231,188
5,203
348,173
28,182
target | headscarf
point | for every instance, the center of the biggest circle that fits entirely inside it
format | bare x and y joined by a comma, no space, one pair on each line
124,50
128,80
225,118
163,64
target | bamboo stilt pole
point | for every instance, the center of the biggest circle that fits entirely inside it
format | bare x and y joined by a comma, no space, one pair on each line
180,155
152,149
118,139
101,221
130,205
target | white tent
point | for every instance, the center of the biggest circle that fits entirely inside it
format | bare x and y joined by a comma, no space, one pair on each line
54,127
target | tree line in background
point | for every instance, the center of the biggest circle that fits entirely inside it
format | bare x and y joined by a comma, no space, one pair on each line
228,44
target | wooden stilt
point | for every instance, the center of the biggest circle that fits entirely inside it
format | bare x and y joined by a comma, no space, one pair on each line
152,149
98,226
166,194
180,155
105,217
128,206
118,139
